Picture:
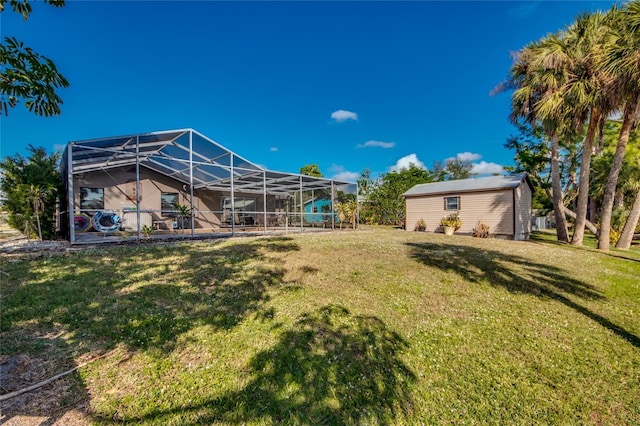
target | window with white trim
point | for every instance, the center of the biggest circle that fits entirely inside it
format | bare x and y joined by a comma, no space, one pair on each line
452,203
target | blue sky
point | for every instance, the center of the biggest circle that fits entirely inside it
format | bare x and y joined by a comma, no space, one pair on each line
345,85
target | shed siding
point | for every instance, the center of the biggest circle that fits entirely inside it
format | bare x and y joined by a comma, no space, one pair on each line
523,197
494,208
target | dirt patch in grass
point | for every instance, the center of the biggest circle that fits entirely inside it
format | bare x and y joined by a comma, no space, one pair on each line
60,402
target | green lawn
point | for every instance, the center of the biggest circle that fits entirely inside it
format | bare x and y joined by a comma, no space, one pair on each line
369,327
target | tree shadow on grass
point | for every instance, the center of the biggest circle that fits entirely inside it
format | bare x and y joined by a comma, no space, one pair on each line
331,367
516,274
139,299
543,239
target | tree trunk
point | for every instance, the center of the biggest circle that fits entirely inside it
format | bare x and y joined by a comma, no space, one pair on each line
593,209
626,237
583,188
590,226
568,212
558,205
38,222
614,173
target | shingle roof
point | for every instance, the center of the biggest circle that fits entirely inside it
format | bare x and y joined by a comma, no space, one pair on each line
468,185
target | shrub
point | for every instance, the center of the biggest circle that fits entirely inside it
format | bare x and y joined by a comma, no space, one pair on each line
452,221
147,231
614,236
481,230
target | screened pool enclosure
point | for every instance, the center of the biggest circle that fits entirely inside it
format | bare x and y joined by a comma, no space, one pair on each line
181,183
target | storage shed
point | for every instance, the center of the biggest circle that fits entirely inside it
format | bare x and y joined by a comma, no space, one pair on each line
501,202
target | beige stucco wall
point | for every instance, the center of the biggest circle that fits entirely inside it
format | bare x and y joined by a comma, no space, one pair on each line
119,194
494,208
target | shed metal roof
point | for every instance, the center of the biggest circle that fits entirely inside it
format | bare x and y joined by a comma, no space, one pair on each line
188,156
468,185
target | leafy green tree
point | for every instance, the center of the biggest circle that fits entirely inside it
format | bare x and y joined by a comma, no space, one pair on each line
39,172
386,199
438,171
532,155
26,74
457,168
366,184
311,170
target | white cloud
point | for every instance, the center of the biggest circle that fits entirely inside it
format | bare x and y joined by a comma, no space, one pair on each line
465,156
378,144
406,161
273,149
339,173
341,115
468,156
484,168
348,176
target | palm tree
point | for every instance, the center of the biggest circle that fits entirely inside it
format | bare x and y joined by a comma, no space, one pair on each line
36,195
347,212
184,212
621,58
538,98
587,93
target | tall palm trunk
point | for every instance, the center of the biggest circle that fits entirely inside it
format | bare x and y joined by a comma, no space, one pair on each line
614,173
630,225
558,205
583,186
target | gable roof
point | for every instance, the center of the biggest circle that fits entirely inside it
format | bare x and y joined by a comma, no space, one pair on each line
469,185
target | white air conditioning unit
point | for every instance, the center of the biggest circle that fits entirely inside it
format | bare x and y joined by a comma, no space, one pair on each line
130,220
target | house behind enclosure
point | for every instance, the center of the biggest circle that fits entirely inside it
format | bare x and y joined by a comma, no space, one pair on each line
117,186
502,202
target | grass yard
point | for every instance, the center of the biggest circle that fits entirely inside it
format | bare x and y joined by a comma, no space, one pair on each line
369,327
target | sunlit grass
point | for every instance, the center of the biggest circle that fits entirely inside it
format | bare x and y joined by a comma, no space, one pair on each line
377,326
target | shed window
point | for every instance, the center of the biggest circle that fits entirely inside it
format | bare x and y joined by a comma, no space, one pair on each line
168,201
452,203
91,198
